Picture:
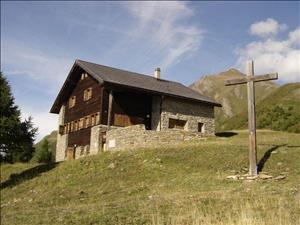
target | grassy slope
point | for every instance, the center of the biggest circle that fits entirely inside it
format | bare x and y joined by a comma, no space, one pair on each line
287,97
182,185
233,98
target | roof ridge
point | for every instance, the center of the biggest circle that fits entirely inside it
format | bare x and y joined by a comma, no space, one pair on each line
128,71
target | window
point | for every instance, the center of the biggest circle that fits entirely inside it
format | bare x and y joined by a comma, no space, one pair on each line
201,127
72,126
72,101
75,125
88,121
80,126
87,94
83,75
61,129
93,120
177,124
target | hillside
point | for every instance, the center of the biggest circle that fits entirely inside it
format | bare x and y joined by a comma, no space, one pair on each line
171,186
280,110
51,138
232,98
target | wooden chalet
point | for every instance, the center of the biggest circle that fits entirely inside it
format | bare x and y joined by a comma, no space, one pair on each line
95,95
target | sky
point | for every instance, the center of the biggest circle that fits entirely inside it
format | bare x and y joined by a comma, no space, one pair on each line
41,40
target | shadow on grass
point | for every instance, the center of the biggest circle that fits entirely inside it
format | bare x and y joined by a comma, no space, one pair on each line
28,174
226,134
266,156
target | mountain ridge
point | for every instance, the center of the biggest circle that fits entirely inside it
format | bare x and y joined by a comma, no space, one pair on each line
232,98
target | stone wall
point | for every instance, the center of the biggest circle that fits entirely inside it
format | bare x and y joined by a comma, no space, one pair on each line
62,140
155,117
191,112
138,137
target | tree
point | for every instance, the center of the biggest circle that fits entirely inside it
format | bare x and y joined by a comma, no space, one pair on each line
42,152
16,137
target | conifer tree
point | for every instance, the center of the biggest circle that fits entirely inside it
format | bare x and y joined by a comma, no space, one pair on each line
16,137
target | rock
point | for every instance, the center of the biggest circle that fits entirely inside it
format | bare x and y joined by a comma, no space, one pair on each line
251,177
265,176
279,163
281,177
111,166
158,160
274,152
233,177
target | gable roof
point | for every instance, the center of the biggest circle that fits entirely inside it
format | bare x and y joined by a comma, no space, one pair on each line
110,75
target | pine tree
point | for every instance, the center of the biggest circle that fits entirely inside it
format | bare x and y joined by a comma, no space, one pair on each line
16,137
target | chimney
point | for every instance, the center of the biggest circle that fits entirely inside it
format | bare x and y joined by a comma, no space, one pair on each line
157,73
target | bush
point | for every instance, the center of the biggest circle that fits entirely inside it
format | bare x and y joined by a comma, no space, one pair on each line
42,153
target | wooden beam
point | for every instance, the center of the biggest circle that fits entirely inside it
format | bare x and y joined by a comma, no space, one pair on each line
251,120
236,81
270,76
110,101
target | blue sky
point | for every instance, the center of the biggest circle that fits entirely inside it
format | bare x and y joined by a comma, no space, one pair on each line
41,40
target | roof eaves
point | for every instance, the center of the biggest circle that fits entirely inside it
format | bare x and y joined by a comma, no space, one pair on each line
166,94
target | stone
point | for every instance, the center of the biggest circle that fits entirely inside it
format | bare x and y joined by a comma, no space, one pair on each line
265,176
111,166
279,163
251,177
233,177
280,177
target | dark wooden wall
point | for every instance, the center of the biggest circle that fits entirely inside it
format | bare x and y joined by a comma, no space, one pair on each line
83,108
131,108
128,108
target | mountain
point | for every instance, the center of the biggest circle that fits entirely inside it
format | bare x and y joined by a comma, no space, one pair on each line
232,98
280,110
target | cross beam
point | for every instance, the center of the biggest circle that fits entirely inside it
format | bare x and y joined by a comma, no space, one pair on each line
259,78
250,79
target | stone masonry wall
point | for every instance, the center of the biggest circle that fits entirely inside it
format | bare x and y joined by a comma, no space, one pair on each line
191,112
155,117
62,140
137,136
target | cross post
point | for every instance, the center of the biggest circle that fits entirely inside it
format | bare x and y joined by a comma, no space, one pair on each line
250,80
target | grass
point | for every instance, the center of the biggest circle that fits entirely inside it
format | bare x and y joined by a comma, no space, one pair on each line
185,184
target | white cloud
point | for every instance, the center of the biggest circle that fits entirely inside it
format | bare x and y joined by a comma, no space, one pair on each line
33,63
45,121
267,28
49,70
273,55
161,23
294,37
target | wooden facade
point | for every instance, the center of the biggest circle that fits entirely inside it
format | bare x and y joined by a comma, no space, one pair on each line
88,105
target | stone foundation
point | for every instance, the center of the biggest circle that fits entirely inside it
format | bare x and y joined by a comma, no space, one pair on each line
62,140
61,146
137,137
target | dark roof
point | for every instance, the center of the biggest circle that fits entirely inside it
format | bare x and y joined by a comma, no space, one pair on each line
105,74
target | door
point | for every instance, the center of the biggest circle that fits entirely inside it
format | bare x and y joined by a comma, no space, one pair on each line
70,153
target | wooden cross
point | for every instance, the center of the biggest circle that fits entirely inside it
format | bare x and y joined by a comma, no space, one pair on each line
250,79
